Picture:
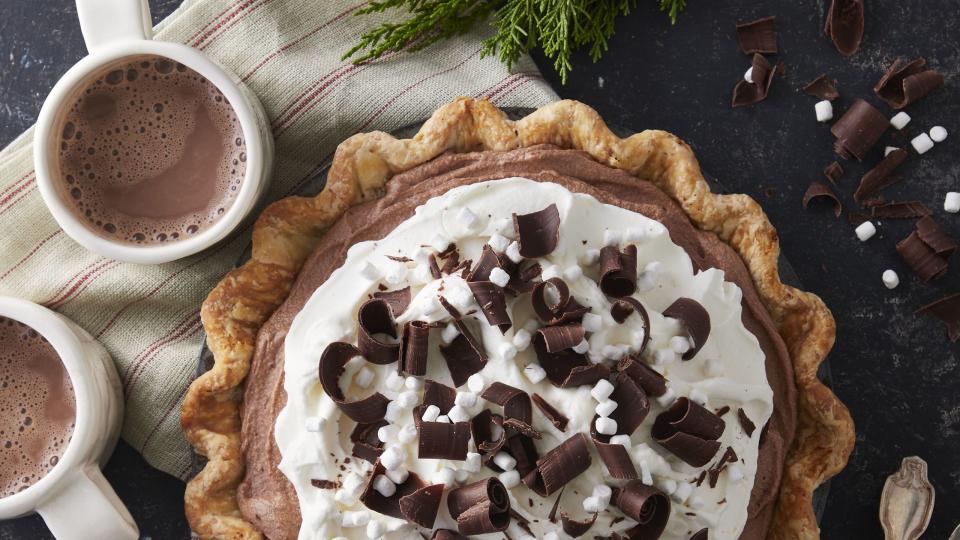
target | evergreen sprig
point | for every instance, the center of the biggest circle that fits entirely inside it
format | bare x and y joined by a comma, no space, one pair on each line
557,27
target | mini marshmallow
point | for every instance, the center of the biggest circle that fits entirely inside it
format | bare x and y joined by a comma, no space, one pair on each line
392,458
664,356
888,150
443,419
461,476
387,433
509,479
460,297
407,434
431,413
592,322
667,398
581,347
507,351
449,333
679,344
606,407
498,242
364,377
612,352
439,243
531,325
413,383
938,133
396,274
603,493
345,497
394,381
698,396
398,476
350,519
951,203
734,473
623,440
921,143
534,373
591,505
748,75
375,530
824,111
590,257
550,272
668,485
499,277
476,383
394,410
513,252
369,271
611,238
521,339
473,463
422,255
865,231
682,492
384,486
505,461
900,120
602,390
465,399
606,426
315,424
572,273
446,476
467,219
890,279
458,414
408,399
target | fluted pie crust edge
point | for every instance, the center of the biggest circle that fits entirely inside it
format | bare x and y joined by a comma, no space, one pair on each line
284,235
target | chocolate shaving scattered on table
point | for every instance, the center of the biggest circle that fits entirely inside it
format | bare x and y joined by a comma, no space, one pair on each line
414,342
555,417
858,130
819,190
464,355
947,310
901,210
421,506
833,172
389,506
365,411
935,237
576,528
553,304
759,36
652,382
745,423
376,317
539,232
747,93
689,431
695,319
623,308
618,271
903,84
481,507
398,300
366,443
493,304
559,466
822,88
443,440
927,249
877,178
646,505
844,25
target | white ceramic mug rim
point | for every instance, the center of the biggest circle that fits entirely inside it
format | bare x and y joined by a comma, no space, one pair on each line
71,351
45,153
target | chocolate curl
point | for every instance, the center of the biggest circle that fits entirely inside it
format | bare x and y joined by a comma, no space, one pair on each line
443,440
904,84
481,507
488,260
538,233
439,394
576,528
858,130
615,458
935,237
652,382
524,278
414,342
822,88
492,303
555,417
398,300
559,466
553,304
947,311
517,410
745,93
833,172
366,443
901,210
376,317
618,271
646,505
923,260
623,308
819,190
689,431
558,338
876,178
759,36
464,355
524,451
844,25
696,320
632,404
559,365
483,435
365,411
421,506
389,506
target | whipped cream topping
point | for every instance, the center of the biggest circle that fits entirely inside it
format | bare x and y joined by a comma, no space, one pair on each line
314,436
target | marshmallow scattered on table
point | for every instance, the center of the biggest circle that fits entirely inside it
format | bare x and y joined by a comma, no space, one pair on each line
951,203
900,120
865,231
922,143
824,110
890,279
748,75
938,133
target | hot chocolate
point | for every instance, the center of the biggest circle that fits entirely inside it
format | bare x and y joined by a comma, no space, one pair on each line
37,407
151,151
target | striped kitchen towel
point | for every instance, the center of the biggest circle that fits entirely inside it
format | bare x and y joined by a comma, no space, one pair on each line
288,52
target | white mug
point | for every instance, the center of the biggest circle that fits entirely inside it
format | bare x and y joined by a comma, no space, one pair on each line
74,498
117,29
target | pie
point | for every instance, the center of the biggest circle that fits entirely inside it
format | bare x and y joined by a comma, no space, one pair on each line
532,328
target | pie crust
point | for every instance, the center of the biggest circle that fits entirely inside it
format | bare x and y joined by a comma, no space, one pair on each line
286,232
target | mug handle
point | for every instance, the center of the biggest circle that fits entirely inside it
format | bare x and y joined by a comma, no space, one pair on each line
106,21
87,508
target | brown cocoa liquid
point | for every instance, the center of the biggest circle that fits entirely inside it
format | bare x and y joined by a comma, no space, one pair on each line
151,152
37,407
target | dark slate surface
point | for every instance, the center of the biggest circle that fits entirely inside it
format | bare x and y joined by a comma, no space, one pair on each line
896,371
